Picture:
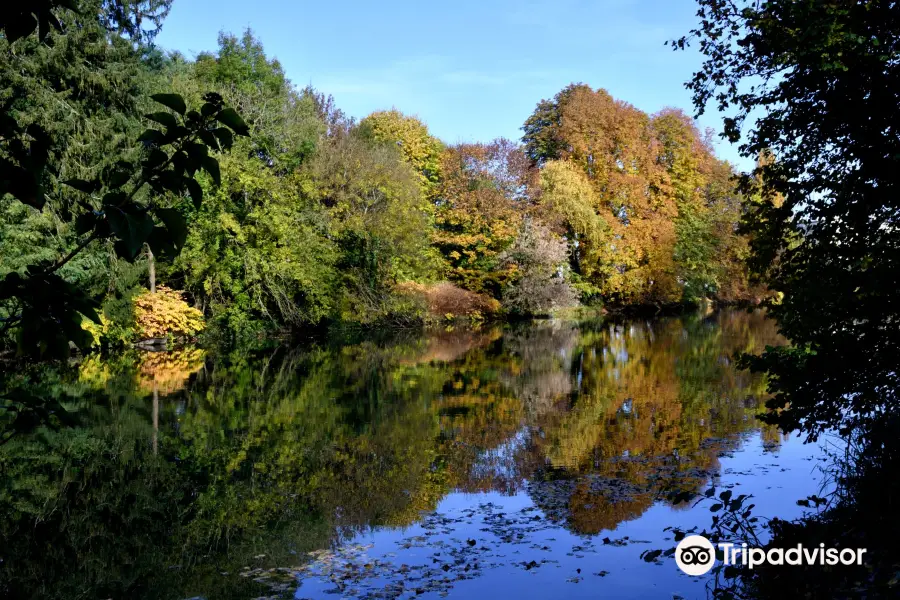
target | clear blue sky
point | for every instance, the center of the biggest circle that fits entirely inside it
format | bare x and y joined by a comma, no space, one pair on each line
472,70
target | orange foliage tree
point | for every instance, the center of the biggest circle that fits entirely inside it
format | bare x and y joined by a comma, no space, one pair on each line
479,208
657,225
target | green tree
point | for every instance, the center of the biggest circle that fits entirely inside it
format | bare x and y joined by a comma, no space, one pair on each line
128,202
823,228
379,218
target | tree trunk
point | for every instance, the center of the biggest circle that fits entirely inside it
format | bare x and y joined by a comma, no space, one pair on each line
151,265
155,417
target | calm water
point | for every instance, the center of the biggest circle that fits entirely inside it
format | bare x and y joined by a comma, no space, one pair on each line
530,461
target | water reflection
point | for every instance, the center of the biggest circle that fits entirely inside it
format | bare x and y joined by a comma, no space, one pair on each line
185,468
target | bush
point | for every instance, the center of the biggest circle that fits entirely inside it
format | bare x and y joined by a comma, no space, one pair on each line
165,313
445,300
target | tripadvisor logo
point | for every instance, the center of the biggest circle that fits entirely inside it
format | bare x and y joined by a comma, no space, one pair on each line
695,555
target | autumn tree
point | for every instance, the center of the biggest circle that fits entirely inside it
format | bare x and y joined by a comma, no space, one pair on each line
540,280
613,144
479,206
417,146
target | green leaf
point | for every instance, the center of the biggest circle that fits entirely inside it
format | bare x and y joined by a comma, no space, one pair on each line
118,178
167,119
156,158
152,136
209,139
196,150
85,222
230,117
131,228
195,191
170,180
117,175
160,241
173,101
87,187
211,166
208,109
224,136
175,223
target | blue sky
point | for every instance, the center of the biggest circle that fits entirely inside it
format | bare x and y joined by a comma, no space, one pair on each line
472,70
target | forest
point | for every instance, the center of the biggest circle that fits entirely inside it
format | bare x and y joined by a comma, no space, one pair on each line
309,218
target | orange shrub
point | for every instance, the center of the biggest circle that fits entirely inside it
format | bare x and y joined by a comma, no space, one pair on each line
446,300
165,312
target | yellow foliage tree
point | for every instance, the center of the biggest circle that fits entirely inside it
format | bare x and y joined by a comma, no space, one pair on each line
421,150
165,312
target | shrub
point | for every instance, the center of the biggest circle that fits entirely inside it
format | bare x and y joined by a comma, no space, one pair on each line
165,313
445,300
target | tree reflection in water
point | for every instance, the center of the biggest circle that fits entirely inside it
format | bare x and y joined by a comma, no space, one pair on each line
184,467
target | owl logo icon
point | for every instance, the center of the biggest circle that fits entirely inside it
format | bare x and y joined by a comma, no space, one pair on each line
695,555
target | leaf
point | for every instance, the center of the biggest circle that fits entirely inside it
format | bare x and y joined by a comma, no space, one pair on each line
175,223
160,242
169,180
118,175
208,109
87,187
209,139
173,101
195,191
211,166
226,140
156,158
715,507
151,135
650,555
85,222
197,151
230,117
131,229
19,25
167,119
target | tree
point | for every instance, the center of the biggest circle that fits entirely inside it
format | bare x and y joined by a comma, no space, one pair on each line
613,144
287,125
123,201
539,283
485,191
378,217
568,201
819,83
418,147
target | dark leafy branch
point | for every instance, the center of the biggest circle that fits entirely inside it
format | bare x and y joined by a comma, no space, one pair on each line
115,206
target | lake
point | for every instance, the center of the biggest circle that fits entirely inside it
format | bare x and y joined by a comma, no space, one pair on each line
532,460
